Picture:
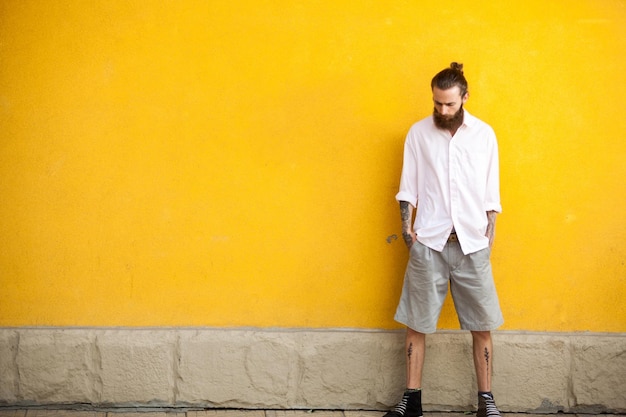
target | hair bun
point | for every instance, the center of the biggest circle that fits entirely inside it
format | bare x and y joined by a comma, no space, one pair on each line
456,66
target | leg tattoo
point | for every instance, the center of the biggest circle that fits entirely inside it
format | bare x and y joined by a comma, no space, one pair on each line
487,358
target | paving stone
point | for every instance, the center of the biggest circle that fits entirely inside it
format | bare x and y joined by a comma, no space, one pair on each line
143,414
226,413
64,413
365,413
303,413
12,413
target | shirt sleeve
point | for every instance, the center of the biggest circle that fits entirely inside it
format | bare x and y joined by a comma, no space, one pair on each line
408,179
492,195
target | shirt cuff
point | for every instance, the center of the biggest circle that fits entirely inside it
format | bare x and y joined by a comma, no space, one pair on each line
493,207
404,196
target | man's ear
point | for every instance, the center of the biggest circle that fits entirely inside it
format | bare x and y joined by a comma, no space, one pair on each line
465,97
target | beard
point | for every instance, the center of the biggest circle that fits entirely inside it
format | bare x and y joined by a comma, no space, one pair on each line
448,122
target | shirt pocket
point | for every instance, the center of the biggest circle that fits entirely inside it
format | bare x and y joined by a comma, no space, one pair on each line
474,165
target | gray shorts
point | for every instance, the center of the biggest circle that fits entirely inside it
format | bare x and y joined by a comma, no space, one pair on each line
426,286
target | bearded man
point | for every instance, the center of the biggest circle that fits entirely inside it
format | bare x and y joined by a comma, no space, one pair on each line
450,181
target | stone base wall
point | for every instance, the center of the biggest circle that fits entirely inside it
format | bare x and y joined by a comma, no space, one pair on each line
309,369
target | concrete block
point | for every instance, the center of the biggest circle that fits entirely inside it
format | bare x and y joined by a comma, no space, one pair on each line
55,366
213,369
598,373
449,382
531,372
272,366
350,370
283,369
8,367
389,367
137,366
304,369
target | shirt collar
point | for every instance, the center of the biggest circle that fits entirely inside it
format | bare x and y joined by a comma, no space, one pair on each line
468,119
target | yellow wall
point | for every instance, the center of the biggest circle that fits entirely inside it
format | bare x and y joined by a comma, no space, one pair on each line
218,163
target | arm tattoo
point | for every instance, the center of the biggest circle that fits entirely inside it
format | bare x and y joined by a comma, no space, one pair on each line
406,212
491,218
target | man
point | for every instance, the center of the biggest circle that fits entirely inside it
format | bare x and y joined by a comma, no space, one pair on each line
450,179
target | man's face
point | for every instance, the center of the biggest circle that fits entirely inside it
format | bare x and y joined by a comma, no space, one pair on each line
448,112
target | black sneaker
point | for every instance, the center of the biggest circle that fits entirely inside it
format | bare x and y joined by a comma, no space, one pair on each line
487,406
409,406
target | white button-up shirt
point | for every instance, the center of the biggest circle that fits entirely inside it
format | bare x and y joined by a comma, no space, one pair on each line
453,181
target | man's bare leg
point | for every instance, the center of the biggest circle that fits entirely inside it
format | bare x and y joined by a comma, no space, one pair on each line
411,403
483,362
415,352
483,359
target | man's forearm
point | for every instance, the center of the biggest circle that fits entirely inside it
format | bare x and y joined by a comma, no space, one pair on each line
406,213
491,226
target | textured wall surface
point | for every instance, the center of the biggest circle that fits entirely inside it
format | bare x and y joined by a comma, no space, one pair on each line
234,163
331,369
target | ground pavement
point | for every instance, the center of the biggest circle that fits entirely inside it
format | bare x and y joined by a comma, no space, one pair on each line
38,412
